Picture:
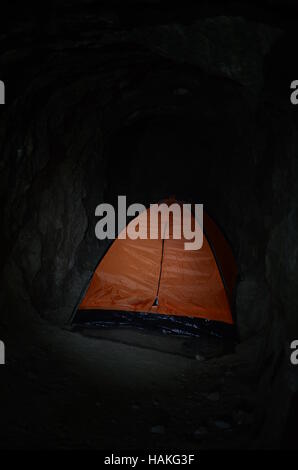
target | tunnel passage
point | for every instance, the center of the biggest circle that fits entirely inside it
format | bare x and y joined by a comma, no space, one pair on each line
83,130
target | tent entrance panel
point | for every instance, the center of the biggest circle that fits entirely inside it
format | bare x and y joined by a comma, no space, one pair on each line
191,284
126,278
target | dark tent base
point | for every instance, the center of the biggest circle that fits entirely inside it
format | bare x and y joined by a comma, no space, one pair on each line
166,324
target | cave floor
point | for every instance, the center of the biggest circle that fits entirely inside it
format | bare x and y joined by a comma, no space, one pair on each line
70,390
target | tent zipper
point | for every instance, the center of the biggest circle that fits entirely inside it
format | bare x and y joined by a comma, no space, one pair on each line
155,303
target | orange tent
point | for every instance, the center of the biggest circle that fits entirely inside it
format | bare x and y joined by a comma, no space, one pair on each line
159,275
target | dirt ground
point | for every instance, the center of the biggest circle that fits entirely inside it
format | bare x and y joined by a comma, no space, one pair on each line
124,390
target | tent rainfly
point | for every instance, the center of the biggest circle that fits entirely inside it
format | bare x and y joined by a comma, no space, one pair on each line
160,276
